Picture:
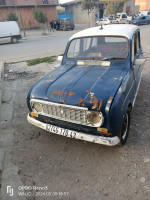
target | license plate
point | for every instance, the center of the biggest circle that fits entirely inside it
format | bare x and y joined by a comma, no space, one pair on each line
61,131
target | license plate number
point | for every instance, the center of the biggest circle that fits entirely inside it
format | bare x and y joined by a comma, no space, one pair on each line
60,131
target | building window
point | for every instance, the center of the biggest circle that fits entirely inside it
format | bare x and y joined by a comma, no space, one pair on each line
2,2
45,1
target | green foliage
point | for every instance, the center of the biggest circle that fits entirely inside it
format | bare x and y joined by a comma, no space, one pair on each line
88,5
60,10
39,15
113,8
40,60
12,16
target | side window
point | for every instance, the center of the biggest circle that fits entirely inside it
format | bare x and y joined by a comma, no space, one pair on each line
133,47
135,44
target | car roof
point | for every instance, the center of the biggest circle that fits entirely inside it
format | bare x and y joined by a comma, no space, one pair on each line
125,30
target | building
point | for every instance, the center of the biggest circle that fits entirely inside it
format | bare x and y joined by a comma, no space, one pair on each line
144,4
79,16
23,10
27,2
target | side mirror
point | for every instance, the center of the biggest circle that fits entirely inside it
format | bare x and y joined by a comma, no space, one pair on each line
139,61
60,58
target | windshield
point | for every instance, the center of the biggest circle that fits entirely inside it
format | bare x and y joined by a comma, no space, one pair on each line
98,48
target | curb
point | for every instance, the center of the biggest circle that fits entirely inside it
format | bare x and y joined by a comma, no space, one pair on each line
40,36
1,84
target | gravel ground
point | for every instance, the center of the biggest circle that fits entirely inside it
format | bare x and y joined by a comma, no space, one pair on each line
73,169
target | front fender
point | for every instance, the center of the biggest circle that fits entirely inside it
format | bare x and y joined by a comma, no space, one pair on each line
122,100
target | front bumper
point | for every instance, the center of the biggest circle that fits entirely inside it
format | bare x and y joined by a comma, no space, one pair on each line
109,141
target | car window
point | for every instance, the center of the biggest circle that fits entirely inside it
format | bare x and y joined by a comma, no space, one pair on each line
98,48
124,16
135,45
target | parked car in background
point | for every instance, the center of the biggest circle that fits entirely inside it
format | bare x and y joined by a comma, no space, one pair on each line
145,13
102,21
121,18
9,32
65,24
105,21
140,20
91,94
130,18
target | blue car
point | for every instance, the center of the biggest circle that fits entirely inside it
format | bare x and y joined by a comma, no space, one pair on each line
140,20
91,94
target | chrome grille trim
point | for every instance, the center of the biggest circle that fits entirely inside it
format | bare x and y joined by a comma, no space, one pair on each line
74,114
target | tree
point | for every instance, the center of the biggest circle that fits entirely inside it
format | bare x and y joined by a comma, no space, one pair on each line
12,16
60,10
113,8
88,5
39,15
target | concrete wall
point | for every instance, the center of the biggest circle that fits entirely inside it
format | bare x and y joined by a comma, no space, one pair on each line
79,16
131,8
25,13
144,4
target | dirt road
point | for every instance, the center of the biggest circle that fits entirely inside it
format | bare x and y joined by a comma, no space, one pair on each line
71,169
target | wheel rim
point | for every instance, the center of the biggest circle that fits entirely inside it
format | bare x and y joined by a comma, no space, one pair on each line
125,126
14,40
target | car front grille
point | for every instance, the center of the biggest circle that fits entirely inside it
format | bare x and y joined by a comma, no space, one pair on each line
62,112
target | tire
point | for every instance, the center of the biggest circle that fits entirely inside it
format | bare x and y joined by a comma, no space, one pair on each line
148,23
124,131
138,24
14,40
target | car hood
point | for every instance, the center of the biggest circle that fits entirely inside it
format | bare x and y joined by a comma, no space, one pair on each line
87,86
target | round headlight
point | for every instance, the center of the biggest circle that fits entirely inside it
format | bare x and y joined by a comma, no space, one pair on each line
95,118
37,106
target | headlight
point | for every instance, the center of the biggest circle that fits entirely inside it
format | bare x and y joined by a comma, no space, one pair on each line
95,118
37,107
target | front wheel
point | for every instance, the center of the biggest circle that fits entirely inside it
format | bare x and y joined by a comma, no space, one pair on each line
14,40
124,131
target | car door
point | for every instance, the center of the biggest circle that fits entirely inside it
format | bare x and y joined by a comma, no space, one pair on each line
136,54
143,20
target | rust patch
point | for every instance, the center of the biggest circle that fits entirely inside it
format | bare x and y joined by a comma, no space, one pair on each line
109,100
81,104
51,96
51,76
95,103
100,104
65,92
57,92
86,69
47,85
71,93
88,91
80,99
91,99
